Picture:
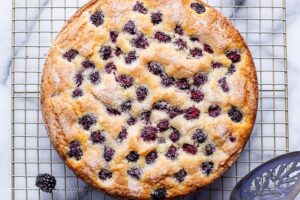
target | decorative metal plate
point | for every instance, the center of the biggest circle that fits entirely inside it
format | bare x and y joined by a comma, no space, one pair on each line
278,178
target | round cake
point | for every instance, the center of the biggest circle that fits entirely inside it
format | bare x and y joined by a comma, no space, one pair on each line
149,99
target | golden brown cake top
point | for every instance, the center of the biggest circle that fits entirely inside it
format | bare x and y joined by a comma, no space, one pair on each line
150,98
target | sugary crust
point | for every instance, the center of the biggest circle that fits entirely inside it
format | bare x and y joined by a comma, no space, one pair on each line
61,112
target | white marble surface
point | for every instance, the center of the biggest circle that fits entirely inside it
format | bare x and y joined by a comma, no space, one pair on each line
293,30
5,102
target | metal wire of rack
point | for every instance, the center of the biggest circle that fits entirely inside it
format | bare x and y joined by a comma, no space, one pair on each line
35,24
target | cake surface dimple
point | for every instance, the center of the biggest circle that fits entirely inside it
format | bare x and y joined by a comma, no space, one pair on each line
149,99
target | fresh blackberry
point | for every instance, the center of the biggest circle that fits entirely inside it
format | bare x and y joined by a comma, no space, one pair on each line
45,182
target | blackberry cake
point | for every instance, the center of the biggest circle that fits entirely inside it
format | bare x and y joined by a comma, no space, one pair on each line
149,99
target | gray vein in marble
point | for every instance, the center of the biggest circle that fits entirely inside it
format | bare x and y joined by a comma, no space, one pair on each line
239,3
33,24
86,191
9,60
237,7
5,77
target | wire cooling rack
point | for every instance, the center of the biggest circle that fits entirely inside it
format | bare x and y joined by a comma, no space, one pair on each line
35,25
